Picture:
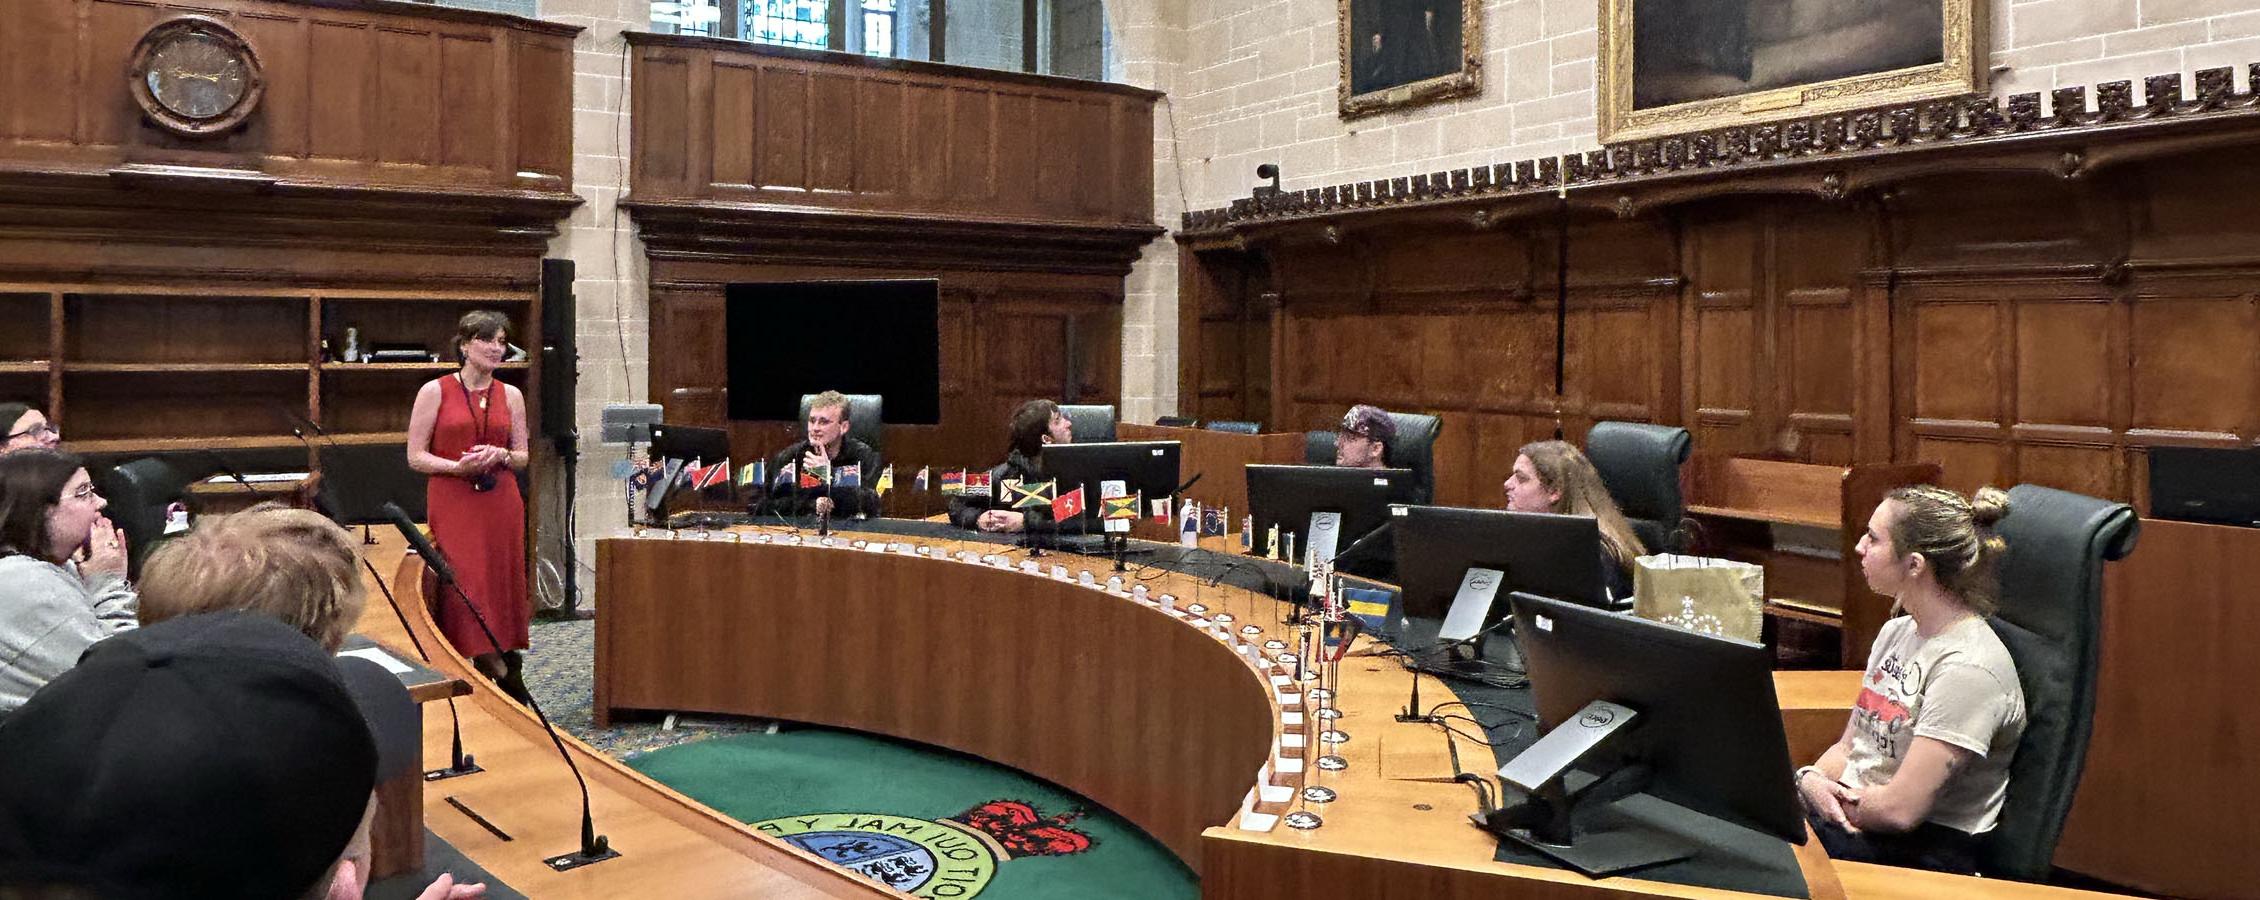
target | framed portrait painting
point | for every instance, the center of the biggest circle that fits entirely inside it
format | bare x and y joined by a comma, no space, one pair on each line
1675,66
1400,53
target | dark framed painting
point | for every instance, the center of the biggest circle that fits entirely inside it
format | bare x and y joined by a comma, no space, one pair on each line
1675,66
1400,53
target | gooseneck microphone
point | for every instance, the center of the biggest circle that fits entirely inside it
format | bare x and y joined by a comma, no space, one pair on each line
594,847
459,762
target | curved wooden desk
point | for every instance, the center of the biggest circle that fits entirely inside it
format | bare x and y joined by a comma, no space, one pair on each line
1121,701
670,846
1138,709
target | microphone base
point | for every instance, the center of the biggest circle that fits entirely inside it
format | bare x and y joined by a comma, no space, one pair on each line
468,768
576,859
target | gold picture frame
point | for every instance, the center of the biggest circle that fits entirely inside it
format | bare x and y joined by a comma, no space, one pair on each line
1406,57
1780,59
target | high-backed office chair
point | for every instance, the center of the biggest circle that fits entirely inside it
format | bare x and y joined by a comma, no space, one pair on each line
139,491
1177,421
1414,449
1091,423
1639,464
359,479
864,422
2051,619
1234,427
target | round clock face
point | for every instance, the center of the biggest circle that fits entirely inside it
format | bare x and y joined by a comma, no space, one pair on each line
197,75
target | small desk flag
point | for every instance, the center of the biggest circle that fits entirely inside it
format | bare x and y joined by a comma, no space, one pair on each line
815,476
753,473
1271,543
977,484
886,480
1160,508
925,478
850,475
1119,507
1068,506
953,483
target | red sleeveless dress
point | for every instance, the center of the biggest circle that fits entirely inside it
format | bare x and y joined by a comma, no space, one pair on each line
482,533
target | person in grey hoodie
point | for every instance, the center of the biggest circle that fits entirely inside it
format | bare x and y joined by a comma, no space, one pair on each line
52,605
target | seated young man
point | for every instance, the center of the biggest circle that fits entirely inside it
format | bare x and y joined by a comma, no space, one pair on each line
826,448
1035,425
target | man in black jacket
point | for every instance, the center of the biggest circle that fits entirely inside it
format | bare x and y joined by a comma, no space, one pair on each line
1035,425
827,450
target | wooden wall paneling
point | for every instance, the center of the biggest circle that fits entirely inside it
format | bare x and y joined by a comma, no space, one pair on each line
468,105
407,96
1816,254
2176,664
840,131
1721,359
340,126
541,121
690,377
35,60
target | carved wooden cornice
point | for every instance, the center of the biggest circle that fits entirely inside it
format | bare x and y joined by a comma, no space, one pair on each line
801,235
1826,156
190,206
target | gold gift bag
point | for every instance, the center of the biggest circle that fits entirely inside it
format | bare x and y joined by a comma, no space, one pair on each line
1700,594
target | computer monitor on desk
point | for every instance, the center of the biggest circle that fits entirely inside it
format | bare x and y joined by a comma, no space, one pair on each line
1286,496
1144,467
685,444
1540,553
1687,718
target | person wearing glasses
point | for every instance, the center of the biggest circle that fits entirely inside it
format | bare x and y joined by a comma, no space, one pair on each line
52,609
27,428
467,435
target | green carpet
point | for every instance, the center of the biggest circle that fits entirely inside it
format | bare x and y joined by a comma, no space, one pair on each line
927,821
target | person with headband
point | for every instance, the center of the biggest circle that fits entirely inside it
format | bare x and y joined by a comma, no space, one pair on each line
1919,775
1555,477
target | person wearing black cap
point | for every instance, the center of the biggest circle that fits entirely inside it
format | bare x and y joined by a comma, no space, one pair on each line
217,755
1364,438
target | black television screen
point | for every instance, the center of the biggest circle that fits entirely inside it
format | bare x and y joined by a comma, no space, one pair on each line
856,337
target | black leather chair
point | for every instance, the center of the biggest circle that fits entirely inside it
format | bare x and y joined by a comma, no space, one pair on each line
359,479
1415,449
864,421
1639,464
2051,619
139,491
1234,427
1092,423
1177,421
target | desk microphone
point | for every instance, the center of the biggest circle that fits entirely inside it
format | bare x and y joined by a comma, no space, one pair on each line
459,762
229,471
594,848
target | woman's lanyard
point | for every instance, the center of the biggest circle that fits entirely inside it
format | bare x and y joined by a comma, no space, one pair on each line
486,414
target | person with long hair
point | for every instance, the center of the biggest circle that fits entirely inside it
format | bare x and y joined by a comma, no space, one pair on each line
1555,477
27,427
1035,425
51,608
1919,775
467,433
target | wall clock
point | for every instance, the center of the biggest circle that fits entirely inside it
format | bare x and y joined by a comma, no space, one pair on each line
194,76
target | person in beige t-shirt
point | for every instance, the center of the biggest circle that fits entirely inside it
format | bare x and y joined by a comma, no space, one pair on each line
1923,765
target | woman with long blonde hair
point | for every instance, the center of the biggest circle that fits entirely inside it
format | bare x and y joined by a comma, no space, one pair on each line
1555,477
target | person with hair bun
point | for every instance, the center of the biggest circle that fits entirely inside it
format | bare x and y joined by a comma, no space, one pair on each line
1921,770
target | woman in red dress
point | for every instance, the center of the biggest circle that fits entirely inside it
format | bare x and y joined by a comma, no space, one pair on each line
467,432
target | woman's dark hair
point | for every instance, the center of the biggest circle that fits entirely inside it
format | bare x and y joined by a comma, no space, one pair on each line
1029,424
31,482
476,324
10,412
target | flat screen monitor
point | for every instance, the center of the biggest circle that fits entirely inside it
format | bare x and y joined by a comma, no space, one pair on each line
791,338
689,443
1148,467
1287,495
2206,484
1705,725
1541,553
